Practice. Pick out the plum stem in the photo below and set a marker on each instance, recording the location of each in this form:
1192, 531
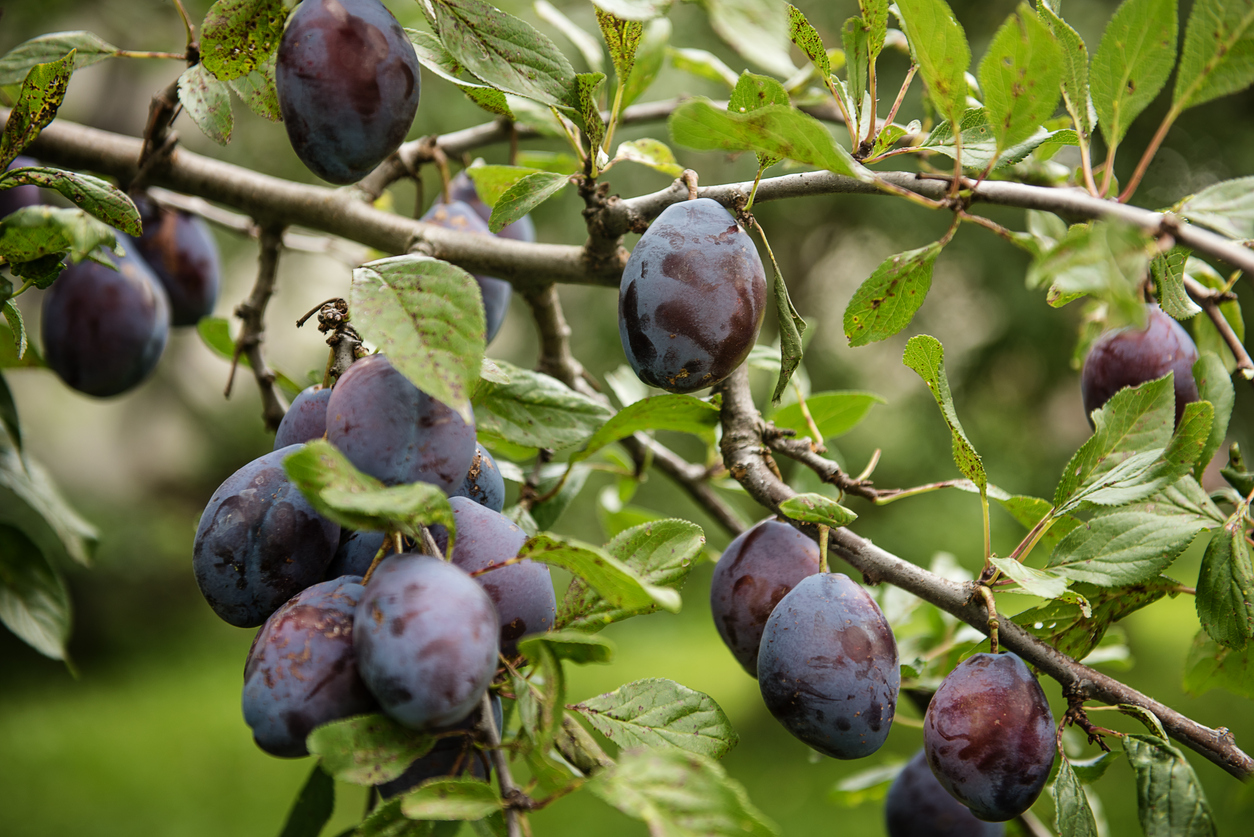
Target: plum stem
509, 791
378, 556
823, 535
993, 624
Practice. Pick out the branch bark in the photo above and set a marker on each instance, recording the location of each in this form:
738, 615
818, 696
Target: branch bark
252, 312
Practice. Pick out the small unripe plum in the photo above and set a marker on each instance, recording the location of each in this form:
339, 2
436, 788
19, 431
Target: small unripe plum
989, 737
302, 672
259, 542
484, 483
306, 419
183, 256
692, 298
348, 85
828, 667
917, 806
1128, 357
426, 640
756, 570
496, 292
103, 329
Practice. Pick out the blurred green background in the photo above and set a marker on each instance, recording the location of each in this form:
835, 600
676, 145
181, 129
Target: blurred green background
148, 738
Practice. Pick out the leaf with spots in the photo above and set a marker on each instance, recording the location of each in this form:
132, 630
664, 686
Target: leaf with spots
588, 115
888, 300
37, 232
536, 411
451, 799
88, 49
427, 317
1021, 77
925, 355
649, 152
660, 713
816, 508
258, 92
208, 102
623, 39
808, 40
101, 199
238, 36
37, 104
616, 582
524, 195
1132, 63
1170, 799
940, 48
367, 749
753, 92
1073, 816
1218, 54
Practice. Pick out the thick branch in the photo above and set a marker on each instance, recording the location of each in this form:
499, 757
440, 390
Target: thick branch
745, 456
252, 312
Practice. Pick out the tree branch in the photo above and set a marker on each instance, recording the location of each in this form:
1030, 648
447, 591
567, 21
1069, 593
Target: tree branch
746, 458
509, 790
252, 312
1209, 300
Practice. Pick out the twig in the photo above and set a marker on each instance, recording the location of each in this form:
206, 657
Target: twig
510, 793
1209, 300
252, 312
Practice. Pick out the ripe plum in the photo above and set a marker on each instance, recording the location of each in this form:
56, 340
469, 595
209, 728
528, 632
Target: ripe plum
426, 640
301, 671
259, 542
496, 292
395, 432
989, 737
828, 667
183, 256
917, 806
306, 419
483, 483
103, 329
348, 85
452, 756
756, 570
692, 298
1128, 357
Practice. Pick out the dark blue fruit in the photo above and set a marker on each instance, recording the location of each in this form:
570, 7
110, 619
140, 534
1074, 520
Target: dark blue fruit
989, 737
917, 806
356, 553
301, 671
692, 298
19, 197
1128, 357
496, 292
395, 432
104, 329
483, 483
348, 84
452, 756
306, 419
828, 667
756, 570
183, 256
259, 542
462, 188
426, 640
522, 592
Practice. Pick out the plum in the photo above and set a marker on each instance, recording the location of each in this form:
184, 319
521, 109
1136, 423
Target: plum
183, 256
426, 640
104, 329
917, 806
19, 197
302, 672
523, 592
395, 432
259, 542
496, 292
306, 419
756, 570
356, 553
828, 667
451, 756
692, 298
348, 85
989, 736
1128, 357
462, 188
483, 483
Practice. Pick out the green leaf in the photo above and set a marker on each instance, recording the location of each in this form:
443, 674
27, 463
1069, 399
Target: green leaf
1090, 770
37, 104
35, 232
554, 161
886, 302
1170, 800
756, 29
649, 58
536, 410
427, 317
207, 102
432, 55
661, 552
634, 9
1226, 207
34, 603
680, 794
257, 91
588, 46
341, 493
505, 52
387, 820
1168, 271
492, 181
816, 508
677, 412
313, 807
575, 646
617, 583
587, 114
1225, 585
1133, 60
753, 91
1075, 70
649, 152
1020, 77
1218, 54
808, 40
1034, 582
940, 46
702, 64
661, 714
1030, 510
1211, 665
1213, 385
774, 130
91, 194
15, 353
979, 142
524, 196
834, 413
31, 502
1072, 814
1105, 259
547, 513
451, 799
1064, 624
791, 326
855, 37
88, 49
240, 35
367, 749
9, 422
622, 37
925, 355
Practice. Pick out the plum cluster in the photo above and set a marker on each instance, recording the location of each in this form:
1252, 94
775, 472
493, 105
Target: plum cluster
826, 663
346, 631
